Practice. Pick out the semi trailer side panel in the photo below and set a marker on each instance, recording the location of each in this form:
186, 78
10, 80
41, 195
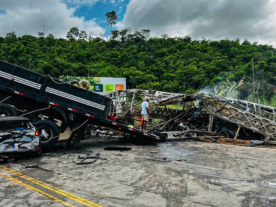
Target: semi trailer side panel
42, 91
46, 89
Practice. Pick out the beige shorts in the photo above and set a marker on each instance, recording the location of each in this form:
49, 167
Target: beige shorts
145, 117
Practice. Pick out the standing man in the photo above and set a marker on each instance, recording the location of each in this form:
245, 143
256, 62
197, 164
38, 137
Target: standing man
145, 114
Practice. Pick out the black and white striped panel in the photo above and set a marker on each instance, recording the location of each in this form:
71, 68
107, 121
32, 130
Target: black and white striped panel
74, 98
20, 80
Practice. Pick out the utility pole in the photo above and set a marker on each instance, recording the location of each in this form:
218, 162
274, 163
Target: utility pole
43, 26
42, 34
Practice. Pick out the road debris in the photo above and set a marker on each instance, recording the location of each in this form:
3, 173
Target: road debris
118, 148
257, 142
181, 160
84, 158
235, 141
30, 166
165, 159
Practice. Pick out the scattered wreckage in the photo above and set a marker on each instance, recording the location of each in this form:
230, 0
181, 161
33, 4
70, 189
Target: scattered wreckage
197, 115
53, 106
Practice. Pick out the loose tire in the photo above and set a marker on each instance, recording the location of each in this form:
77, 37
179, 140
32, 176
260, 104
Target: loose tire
7, 110
49, 133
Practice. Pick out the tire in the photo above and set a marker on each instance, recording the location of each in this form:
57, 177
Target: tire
47, 129
7, 110
224, 133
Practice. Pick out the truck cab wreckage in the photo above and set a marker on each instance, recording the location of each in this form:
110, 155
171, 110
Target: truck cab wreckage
198, 115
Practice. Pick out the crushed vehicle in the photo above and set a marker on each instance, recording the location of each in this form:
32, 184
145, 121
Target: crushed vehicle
18, 138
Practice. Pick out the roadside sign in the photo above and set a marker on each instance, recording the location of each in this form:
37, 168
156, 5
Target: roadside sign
96, 84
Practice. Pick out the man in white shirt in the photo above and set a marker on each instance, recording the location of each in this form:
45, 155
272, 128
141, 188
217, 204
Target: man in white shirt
145, 114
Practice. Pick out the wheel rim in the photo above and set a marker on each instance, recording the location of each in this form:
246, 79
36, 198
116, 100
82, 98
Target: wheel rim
4, 113
45, 133
223, 134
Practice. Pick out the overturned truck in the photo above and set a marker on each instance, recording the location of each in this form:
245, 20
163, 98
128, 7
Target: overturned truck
201, 115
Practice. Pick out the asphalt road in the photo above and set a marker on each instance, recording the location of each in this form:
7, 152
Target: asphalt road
208, 175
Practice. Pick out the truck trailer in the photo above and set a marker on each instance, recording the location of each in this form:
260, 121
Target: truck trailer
33, 95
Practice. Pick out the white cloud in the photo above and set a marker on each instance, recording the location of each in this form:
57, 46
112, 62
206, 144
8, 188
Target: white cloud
25, 17
114, 2
213, 19
120, 25
81, 2
120, 10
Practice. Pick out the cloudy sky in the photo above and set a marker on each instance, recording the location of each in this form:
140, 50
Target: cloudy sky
212, 19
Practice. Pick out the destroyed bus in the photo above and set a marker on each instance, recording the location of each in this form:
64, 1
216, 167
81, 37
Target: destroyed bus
199, 116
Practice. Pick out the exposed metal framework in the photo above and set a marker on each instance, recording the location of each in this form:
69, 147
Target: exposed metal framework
208, 109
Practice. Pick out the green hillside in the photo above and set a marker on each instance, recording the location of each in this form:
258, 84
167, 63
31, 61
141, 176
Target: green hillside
175, 64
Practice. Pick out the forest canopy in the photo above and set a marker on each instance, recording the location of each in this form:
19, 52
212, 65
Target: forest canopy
174, 64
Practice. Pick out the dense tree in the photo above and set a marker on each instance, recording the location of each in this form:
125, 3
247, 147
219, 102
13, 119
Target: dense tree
115, 34
40, 34
73, 34
177, 64
112, 19
123, 34
82, 35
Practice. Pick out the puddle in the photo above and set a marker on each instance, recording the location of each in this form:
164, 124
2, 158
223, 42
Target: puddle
267, 184
173, 151
268, 197
262, 182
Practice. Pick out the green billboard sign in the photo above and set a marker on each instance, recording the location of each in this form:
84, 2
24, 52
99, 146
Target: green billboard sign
98, 88
108, 88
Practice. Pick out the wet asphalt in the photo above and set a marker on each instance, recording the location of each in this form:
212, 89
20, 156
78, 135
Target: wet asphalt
172, 174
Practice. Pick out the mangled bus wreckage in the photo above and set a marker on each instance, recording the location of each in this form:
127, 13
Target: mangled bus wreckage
199, 115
